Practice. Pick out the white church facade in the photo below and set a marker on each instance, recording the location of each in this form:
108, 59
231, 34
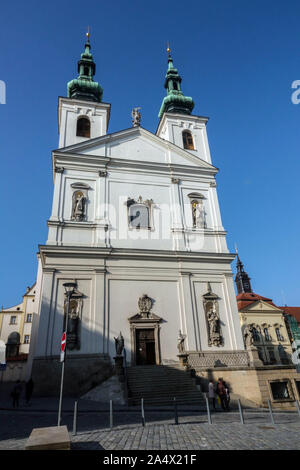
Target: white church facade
136, 226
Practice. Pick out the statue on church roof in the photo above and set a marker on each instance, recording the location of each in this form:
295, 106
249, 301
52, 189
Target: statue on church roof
136, 117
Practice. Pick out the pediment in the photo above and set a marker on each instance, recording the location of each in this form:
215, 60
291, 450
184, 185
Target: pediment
260, 306
151, 318
137, 144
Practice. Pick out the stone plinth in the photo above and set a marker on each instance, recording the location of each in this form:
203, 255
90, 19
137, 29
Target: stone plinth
254, 357
53, 438
183, 360
119, 365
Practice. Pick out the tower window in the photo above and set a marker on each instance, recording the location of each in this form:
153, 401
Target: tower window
188, 142
86, 71
83, 127
175, 86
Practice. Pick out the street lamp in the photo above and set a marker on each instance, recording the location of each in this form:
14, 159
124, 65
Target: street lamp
69, 291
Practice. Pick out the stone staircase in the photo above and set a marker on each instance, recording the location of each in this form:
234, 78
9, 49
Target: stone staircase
158, 385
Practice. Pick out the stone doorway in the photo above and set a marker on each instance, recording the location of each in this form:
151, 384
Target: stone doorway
144, 329
145, 347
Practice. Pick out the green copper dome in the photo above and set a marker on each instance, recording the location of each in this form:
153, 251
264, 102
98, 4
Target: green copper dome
84, 87
175, 101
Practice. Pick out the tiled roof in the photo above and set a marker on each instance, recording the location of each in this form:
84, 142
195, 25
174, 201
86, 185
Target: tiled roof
247, 298
295, 311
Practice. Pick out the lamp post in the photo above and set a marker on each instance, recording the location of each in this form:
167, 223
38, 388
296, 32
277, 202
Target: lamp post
69, 291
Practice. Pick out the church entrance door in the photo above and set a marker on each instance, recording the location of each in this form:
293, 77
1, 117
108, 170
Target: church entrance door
145, 346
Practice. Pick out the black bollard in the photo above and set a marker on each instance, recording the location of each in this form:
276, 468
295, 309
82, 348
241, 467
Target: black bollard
208, 410
143, 412
75, 418
175, 411
241, 412
111, 414
271, 412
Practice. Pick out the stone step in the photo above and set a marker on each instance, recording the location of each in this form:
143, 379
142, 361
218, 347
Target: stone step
158, 385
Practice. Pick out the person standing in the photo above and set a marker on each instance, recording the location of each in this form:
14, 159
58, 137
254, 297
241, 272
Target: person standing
28, 390
227, 395
221, 392
16, 394
211, 394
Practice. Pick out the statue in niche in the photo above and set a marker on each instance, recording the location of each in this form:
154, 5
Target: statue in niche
136, 117
211, 308
180, 344
119, 344
73, 320
78, 206
198, 214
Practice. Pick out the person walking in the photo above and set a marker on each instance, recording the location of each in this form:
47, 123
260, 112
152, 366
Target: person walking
227, 395
221, 392
28, 390
16, 392
211, 394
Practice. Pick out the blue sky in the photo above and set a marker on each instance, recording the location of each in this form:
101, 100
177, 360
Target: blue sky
237, 59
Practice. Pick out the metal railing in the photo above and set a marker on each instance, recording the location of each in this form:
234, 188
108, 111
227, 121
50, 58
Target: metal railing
174, 405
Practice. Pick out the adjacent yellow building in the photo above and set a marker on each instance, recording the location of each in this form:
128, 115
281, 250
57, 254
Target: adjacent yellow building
15, 332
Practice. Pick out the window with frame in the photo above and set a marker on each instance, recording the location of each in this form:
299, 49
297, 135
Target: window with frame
26, 339
83, 127
139, 213
279, 335
13, 320
267, 335
188, 142
280, 390
272, 357
255, 334
29, 318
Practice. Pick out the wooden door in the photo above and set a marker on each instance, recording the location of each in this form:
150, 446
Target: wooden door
145, 347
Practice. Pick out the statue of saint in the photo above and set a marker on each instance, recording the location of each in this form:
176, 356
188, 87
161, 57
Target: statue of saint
119, 344
248, 336
78, 206
136, 117
180, 345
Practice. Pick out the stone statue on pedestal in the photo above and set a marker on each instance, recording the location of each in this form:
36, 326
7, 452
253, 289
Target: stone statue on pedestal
119, 344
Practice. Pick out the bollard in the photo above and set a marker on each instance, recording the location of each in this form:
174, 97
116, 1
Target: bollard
75, 418
271, 412
241, 412
143, 412
175, 411
298, 407
110, 414
208, 410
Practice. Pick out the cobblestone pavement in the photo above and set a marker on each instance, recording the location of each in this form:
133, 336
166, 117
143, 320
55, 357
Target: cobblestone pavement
160, 433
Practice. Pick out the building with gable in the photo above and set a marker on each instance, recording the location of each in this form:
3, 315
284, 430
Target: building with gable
266, 331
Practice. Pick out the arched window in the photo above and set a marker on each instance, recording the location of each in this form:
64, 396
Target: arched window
278, 334
12, 345
255, 334
138, 216
267, 335
188, 142
83, 127
139, 213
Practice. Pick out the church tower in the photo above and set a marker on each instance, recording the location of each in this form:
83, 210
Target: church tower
242, 279
136, 229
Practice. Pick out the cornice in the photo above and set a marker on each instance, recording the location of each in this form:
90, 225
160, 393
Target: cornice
92, 163
132, 253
